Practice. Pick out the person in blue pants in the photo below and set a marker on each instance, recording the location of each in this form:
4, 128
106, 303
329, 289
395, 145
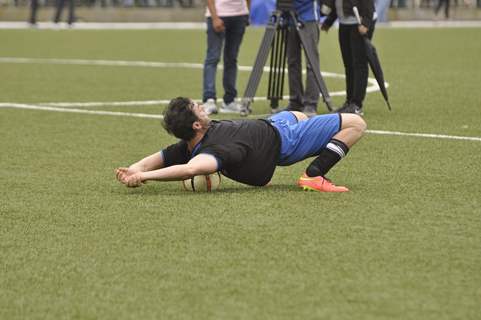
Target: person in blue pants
226, 23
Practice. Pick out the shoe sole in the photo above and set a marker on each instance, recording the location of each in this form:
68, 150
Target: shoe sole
308, 188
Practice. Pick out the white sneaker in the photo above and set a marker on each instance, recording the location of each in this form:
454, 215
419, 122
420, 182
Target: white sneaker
210, 107
232, 107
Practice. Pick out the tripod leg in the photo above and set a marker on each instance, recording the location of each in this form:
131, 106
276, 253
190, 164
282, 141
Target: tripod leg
258, 68
314, 63
273, 69
277, 94
275, 72
284, 60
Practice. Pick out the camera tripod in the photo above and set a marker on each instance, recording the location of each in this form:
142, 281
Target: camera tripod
275, 38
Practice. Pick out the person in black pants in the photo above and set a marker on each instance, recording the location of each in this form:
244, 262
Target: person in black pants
59, 8
352, 46
33, 13
446, 8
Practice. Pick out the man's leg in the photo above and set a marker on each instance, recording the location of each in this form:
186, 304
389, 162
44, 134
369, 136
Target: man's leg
311, 95
345, 45
235, 28
360, 68
71, 12
294, 67
214, 47
33, 12
352, 129
446, 9
58, 10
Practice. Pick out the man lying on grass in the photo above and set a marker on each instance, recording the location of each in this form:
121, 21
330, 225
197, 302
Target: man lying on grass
247, 150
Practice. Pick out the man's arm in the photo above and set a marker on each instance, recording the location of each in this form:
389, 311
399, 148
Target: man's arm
328, 8
366, 11
217, 22
149, 163
201, 164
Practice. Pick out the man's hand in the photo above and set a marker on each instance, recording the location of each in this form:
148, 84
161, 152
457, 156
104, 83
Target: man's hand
325, 27
134, 181
362, 29
129, 177
218, 24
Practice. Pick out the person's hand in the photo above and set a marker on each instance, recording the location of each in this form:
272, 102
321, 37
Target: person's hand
122, 174
325, 27
362, 29
134, 180
218, 24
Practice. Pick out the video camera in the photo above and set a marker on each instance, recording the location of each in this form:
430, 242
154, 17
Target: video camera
285, 5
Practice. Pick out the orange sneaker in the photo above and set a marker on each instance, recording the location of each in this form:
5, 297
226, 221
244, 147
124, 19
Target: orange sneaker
319, 184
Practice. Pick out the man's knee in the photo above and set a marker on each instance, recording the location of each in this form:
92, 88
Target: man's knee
353, 121
360, 123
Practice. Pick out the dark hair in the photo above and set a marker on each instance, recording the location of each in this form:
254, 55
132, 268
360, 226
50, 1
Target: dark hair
179, 117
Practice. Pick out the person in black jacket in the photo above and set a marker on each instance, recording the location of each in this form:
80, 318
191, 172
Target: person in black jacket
59, 4
352, 45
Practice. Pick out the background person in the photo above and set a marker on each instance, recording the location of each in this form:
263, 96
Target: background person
33, 13
352, 46
303, 99
226, 23
446, 4
382, 10
59, 4
247, 150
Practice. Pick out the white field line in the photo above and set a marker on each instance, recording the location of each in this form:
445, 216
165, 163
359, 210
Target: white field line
72, 110
201, 25
423, 135
105, 103
61, 106
153, 116
152, 64
106, 25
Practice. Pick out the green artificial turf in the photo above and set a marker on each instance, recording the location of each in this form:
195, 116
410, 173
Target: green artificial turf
405, 243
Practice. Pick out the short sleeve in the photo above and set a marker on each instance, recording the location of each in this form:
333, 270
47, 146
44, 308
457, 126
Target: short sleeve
177, 153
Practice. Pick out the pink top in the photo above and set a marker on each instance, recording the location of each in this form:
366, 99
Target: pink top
229, 8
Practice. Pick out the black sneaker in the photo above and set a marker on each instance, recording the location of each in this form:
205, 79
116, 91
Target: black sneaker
350, 108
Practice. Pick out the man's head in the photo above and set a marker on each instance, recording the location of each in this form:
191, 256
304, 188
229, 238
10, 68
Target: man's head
184, 118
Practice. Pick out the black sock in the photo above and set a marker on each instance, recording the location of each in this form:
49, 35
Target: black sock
334, 151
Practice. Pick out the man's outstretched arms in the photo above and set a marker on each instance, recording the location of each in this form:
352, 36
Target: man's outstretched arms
152, 162
134, 176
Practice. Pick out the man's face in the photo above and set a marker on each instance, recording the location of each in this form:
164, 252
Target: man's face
201, 114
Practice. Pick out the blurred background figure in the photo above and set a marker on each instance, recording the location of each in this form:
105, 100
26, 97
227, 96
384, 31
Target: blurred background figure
226, 23
59, 4
33, 13
446, 4
382, 8
261, 10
